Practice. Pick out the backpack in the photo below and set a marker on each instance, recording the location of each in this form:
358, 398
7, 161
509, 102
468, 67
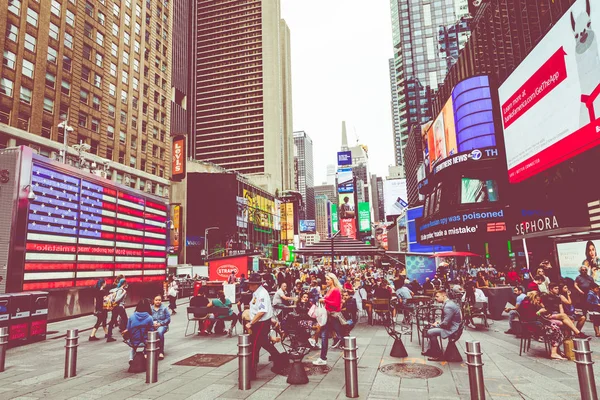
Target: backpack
109, 301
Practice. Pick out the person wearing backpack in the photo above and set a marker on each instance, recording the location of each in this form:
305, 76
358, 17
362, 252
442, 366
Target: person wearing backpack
138, 326
116, 298
99, 310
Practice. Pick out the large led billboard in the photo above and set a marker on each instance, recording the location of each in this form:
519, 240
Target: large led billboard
308, 225
550, 104
572, 255
464, 130
345, 180
364, 217
394, 196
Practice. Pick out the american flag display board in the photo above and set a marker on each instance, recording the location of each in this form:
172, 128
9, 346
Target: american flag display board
79, 231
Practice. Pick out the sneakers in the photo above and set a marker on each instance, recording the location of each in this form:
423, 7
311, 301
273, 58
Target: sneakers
336, 344
320, 361
509, 332
582, 335
312, 342
93, 339
319, 345
110, 339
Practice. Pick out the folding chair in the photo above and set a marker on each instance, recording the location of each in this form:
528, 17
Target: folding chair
191, 316
382, 310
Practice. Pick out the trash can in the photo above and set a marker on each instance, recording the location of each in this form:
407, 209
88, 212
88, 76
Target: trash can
39, 316
197, 286
19, 308
4, 312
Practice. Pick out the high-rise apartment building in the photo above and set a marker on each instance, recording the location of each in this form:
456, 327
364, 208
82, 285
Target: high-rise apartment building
322, 211
395, 114
420, 60
182, 66
304, 172
328, 191
242, 94
104, 67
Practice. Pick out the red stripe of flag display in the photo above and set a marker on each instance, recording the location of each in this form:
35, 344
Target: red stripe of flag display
79, 231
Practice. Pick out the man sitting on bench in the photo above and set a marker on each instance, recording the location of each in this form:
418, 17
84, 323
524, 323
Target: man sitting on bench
451, 320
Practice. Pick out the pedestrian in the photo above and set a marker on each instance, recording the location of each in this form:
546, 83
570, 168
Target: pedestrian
117, 305
161, 320
223, 302
231, 278
333, 305
99, 311
261, 312
172, 291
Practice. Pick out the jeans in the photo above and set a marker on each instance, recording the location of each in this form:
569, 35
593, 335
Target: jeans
512, 315
132, 351
117, 312
161, 336
332, 323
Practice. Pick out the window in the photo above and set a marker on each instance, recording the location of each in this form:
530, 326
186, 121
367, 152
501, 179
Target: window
83, 96
126, 38
48, 105
134, 102
136, 47
138, 29
15, 7
32, 17
136, 65
70, 18
99, 59
109, 153
52, 55
96, 103
50, 80
25, 95
63, 112
95, 125
115, 29
134, 122
144, 146
122, 137
85, 72
54, 32
133, 142
113, 69
110, 130
126, 58
82, 120
111, 110
68, 40
6, 86
30, 42
116, 10
138, 11
99, 38
88, 30
12, 32
132, 161
98, 80
23, 121
89, 9
55, 8
27, 68
101, 18
127, 20
9, 59
136, 83
114, 49
46, 129
123, 117
125, 78
65, 88
87, 53
112, 89
67, 63
123, 97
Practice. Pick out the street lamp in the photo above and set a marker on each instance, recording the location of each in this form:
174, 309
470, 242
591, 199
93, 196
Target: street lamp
206, 240
67, 129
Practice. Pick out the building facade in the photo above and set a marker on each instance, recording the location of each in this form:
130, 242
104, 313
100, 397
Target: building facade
328, 191
322, 214
182, 67
420, 59
104, 68
243, 100
395, 114
304, 173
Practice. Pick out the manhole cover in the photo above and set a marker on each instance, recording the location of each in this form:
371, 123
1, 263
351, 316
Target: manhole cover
206, 360
411, 371
309, 368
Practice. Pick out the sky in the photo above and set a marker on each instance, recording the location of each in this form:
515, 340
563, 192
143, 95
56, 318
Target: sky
340, 51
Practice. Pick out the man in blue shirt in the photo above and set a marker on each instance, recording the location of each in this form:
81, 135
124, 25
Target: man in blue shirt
512, 312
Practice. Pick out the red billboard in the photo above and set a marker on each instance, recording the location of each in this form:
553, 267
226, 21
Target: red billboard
220, 269
178, 156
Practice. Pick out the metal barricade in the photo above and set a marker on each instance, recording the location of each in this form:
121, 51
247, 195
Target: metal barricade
245, 362
351, 367
475, 365
72, 342
152, 349
585, 369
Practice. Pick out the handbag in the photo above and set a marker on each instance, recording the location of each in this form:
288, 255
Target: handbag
321, 315
568, 346
172, 291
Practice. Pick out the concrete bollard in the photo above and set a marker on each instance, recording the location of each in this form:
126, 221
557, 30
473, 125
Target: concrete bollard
585, 369
245, 362
152, 349
351, 367
3, 347
475, 370
72, 342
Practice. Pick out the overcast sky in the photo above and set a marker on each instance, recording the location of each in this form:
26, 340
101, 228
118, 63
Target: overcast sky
340, 52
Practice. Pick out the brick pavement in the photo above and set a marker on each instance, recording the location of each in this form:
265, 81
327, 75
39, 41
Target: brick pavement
35, 371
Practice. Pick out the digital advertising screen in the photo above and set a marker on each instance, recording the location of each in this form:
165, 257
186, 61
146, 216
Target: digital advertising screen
442, 135
420, 267
395, 197
550, 104
287, 221
462, 224
348, 227
364, 217
308, 225
344, 158
572, 255
346, 205
345, 180
79, 231
285, 252
334, 218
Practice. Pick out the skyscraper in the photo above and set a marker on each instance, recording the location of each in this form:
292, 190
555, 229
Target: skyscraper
243, 100
395, 114
104, 68
304, 171
322, 210
420, 61
183, 62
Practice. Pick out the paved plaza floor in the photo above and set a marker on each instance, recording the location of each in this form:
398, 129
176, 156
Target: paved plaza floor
35, 371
